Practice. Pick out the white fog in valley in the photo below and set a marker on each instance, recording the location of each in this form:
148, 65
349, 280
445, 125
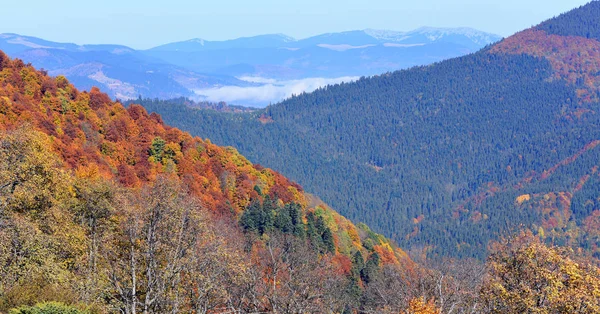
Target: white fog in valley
267, 91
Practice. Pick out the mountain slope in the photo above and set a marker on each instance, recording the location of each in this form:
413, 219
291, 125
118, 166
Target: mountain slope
92, 133
110, 207
447, 152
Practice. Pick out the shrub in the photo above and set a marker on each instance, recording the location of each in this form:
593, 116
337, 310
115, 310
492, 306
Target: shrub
48, 308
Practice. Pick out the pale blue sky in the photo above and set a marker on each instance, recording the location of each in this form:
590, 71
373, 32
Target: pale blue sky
147, 23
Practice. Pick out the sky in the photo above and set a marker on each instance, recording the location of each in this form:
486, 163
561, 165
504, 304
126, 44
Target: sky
143, 24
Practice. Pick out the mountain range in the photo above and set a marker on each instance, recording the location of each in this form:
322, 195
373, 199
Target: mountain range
352, 53
446, 157
275, 65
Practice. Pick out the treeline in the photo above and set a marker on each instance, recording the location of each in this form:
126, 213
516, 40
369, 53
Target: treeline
582, 22
216, 106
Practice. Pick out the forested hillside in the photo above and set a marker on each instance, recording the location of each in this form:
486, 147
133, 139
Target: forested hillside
446, 157
106, 209
109, 208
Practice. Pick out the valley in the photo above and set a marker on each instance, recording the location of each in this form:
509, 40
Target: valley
433, 171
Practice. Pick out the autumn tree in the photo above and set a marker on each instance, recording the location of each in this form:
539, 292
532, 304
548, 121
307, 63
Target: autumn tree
39, 249
29, 171
446, 286
48, 308
527, 276
216, 272
159, 229
420, 306
296, 278
93, 207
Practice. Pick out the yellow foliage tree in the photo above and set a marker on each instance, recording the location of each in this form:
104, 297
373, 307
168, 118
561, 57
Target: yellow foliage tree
38, 239
30, 178
419, 306
526, 276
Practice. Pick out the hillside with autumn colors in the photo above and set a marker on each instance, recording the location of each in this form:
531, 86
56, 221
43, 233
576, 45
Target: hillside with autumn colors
105, 208
93, 192
447, 157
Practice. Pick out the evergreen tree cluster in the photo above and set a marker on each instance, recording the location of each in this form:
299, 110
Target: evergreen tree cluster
268, 216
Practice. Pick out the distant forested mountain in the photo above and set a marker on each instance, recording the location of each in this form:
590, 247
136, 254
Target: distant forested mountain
443, 158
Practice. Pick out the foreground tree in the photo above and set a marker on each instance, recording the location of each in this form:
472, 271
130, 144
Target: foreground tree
158, 231
93, 206
526, 276
38, 241
292, 277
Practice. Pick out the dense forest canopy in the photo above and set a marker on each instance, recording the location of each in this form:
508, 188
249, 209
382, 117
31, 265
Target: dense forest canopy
108, 210
437, 157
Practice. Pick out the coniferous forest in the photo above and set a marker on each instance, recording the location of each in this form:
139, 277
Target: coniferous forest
435, 157
467, 186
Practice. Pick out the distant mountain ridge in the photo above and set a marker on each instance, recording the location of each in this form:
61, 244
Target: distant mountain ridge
435, 33
125, 72
197, 44
423, 35
195, 68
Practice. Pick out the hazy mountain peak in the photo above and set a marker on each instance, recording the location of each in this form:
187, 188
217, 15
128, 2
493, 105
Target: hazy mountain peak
198, 44
197, 41
285, 38
277, 37
385, 34
22, 40
432, 34
476, 36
